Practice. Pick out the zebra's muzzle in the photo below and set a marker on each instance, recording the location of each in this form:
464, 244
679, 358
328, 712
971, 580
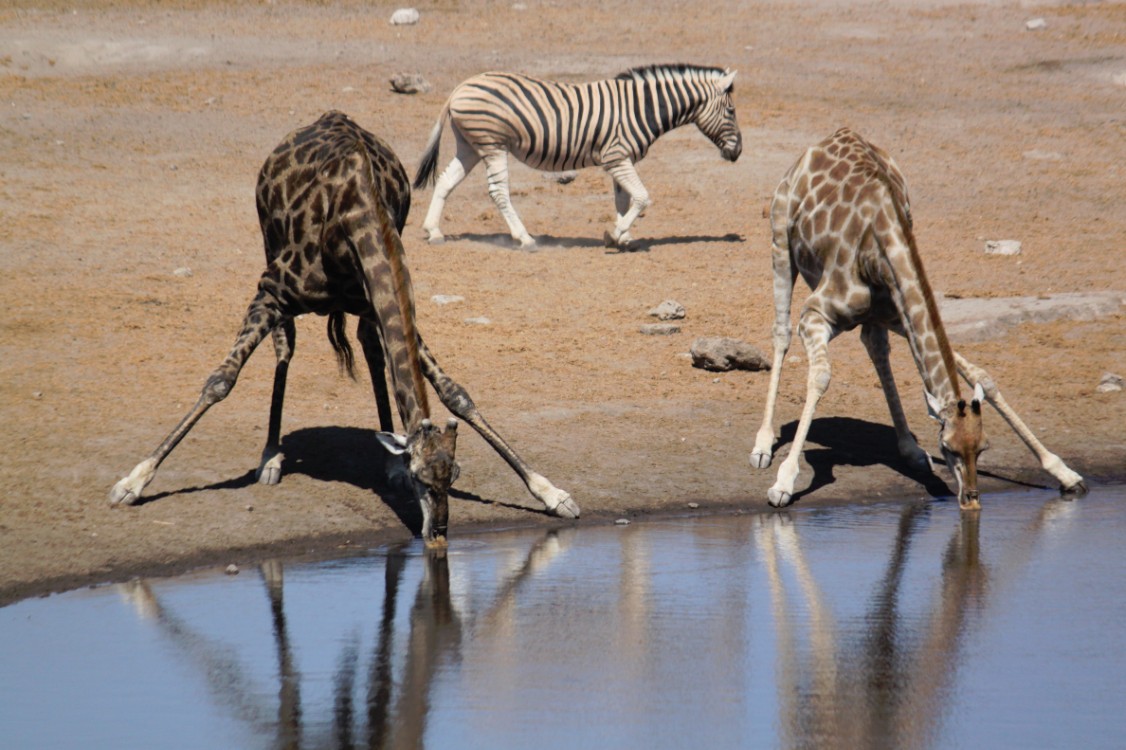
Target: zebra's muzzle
731, 148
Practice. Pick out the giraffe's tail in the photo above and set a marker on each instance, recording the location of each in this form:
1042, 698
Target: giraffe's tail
339, 340
428, 167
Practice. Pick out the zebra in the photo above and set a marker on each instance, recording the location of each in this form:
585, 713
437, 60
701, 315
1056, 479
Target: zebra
557, 127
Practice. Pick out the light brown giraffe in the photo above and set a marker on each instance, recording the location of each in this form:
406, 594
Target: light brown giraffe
332, 202
841, 218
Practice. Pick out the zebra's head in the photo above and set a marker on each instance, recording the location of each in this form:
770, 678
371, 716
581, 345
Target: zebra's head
716, 119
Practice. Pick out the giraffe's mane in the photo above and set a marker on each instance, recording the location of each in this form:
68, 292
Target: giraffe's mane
905, 224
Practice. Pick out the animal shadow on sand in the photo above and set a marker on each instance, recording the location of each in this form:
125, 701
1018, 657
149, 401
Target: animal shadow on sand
551, 242
344, 454
845, 441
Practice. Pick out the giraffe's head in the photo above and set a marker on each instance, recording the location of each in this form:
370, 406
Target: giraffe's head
962, 439
429, 452
716, 118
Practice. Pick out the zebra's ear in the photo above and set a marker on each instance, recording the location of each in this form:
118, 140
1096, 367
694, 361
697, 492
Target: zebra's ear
727, 81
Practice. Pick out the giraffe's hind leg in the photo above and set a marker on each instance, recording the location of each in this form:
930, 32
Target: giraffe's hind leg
784, 277
262, 315
457, 400
815, 332
270, 468
875, 339
1070, 481
368, 333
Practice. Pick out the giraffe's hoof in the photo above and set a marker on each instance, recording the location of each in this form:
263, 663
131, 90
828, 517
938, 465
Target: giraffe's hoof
128, 490
1079, 489
779, 498
760, 459
270, 471
564, 506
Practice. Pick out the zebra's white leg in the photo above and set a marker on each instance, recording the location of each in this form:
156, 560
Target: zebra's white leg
626, 182
496, 169
461, 165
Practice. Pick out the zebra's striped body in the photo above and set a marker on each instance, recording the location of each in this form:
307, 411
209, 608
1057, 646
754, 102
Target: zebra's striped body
559, 126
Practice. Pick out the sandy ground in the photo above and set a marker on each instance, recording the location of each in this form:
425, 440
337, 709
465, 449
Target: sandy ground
130, 138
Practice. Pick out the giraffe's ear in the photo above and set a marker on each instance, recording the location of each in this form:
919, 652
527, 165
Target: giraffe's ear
393, 443
727, 81
934, 408
979, 393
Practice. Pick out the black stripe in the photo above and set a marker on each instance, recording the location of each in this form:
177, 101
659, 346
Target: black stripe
518, 111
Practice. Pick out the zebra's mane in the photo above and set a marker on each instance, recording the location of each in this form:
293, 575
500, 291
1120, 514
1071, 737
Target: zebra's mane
678, 70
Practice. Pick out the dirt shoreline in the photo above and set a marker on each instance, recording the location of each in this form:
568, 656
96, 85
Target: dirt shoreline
131, 134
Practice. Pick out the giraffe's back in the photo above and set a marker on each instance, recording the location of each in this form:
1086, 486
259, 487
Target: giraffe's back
300, 185
835, 209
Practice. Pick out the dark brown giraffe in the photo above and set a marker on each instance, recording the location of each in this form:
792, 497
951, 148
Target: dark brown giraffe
332, 202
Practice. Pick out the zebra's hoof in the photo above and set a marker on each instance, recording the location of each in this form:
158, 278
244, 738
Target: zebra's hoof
436, 238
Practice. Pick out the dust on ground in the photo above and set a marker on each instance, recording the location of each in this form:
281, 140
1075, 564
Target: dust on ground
130, 138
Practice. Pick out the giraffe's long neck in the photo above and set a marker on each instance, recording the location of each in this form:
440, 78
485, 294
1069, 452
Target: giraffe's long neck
918, 308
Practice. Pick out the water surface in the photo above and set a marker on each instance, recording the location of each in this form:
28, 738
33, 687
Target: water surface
898, 625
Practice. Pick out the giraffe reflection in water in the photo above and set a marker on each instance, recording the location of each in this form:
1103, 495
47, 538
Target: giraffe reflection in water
887, 682
653, 633
397, 699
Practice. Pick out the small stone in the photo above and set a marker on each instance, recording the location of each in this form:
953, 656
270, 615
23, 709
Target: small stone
720, 354
693, 506
563, 178
622, 522
1035, 24
249, 508
404, 17
1002, 247
1110, 383
659, 329
446, 299
182, 272
670, 309
1040, 155
480, 320
409, 83
232, 570
37, 395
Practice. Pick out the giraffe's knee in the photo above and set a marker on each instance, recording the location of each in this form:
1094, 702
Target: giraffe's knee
217, 387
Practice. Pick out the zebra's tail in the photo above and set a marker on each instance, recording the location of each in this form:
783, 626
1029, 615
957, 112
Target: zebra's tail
428, 168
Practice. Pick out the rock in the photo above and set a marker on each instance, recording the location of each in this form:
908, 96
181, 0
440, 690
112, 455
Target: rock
1035, 24
563, 178
1040, 155
721, 354
232, 570
622, 522
659, 329
1110, 383
409, 83
670, 309
446, 299
37, 395
693, 506
404, 17
1002, 247
978, 319
480, 320
183, 273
